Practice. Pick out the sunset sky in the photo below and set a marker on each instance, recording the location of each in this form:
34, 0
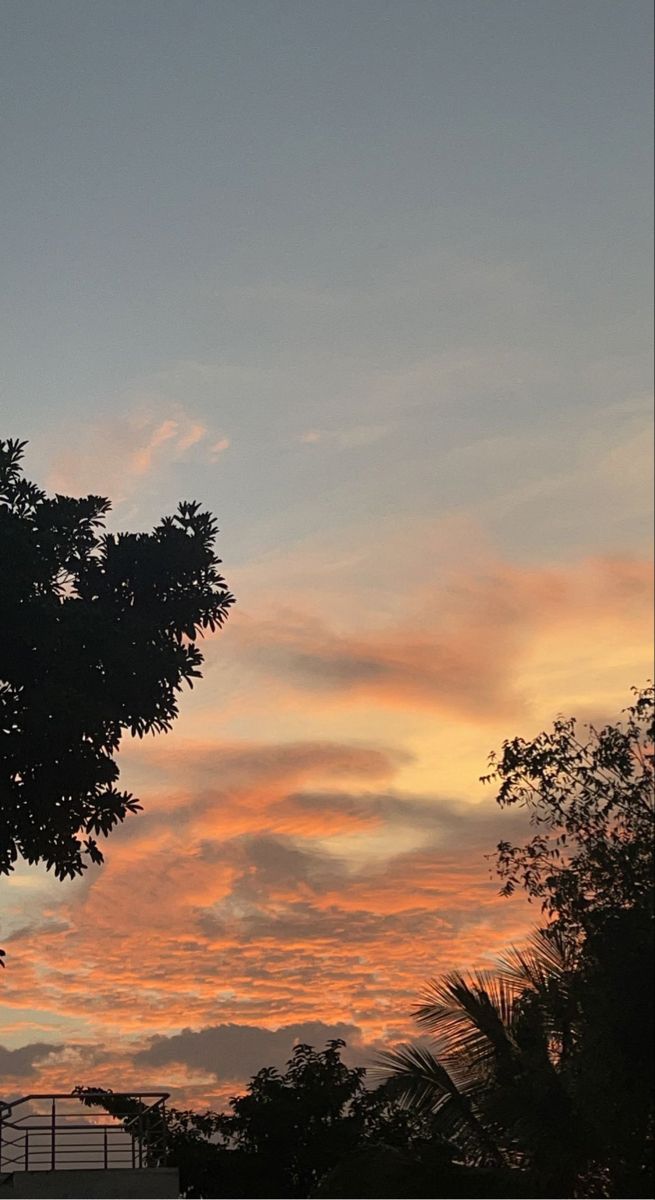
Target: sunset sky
371, 280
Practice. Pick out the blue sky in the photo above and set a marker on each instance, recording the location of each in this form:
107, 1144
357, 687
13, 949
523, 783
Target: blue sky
372, 281
315, 204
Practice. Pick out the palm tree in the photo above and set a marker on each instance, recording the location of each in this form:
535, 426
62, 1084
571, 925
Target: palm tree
495, 1075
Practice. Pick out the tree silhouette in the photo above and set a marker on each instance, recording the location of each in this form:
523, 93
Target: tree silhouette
591, 801
290, 1130
546, 1064
296, 1123
99, 633
493, 1077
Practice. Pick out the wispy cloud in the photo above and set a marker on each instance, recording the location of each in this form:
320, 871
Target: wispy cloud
464, 643
241, 906
218, 447
113, 457
234, 1052
346, 439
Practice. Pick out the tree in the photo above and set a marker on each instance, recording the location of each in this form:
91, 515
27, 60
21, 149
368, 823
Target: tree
612, 1069
296, 1123
99, 634
290, 1132
591, 801
279, 1139
493, 1077
591, 866
545, 1066
548, 1063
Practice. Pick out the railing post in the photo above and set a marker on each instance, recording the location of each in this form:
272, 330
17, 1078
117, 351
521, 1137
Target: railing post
164, 1133
148, 1124
53, 1122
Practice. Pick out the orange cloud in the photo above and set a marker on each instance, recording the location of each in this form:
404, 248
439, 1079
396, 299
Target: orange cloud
272, 883
462, 644
346, 439
218, 447
140, 461
230, 907
112, 457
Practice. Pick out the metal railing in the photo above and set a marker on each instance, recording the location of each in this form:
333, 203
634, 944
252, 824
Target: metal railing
46, 1131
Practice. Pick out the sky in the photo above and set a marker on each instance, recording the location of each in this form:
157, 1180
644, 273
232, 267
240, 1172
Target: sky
371, 280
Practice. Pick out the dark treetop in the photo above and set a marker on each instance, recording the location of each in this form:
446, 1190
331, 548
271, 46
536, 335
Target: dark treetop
98, 635
590, 797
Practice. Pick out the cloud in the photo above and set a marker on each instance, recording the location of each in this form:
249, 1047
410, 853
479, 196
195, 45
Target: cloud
204, 1066
461, 646
233, 1052
194, 434
314, 879
114, 457
23, 1063
141, 460
346, 439
199, 919
217, 448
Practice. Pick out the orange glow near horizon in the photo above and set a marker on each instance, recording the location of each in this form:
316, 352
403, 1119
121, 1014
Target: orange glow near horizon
322, 878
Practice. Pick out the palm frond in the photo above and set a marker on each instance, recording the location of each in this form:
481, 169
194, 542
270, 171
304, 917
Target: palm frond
542, 970
428, 1082
428, 1086
547, 957
471, 1021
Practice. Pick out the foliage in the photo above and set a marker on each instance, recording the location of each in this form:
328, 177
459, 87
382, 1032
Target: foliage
382, 1119
180, 1138
545, 1067
146, 1125
546, 1064
492, 1052
591, 801
99, 635
293, 1130
288, 1132
294, 1122
381, 1171
611, 1070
